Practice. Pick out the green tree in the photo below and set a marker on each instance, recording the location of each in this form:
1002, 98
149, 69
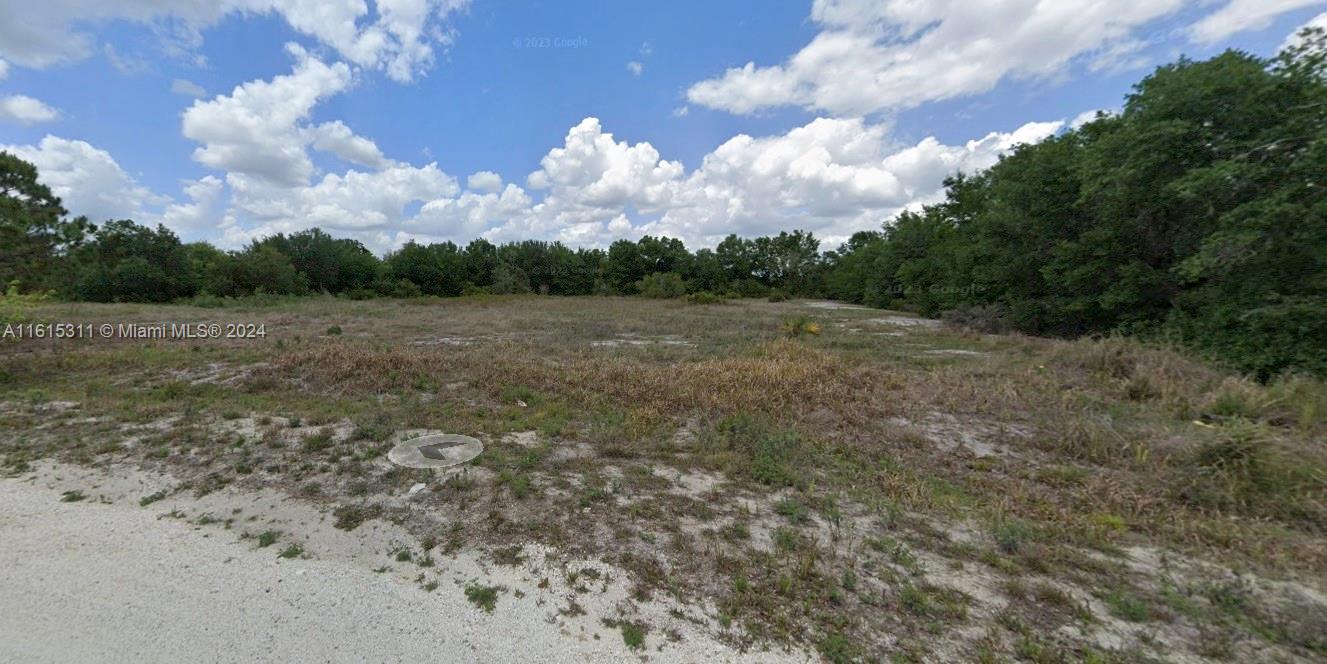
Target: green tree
624, 267
481, 259
264, 269
437, 269
34, 232
128, 262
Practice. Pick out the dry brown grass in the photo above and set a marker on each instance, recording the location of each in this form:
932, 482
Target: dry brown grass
780, 377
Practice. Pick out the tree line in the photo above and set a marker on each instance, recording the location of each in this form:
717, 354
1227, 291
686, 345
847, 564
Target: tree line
1198, 214
123, 261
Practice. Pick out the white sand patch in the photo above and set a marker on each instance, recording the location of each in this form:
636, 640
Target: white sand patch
905, 321
638, 341
113, 581
522, 438
951, 433
691, 483
826, 304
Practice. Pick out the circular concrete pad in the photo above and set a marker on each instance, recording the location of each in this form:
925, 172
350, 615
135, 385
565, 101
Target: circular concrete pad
439, 450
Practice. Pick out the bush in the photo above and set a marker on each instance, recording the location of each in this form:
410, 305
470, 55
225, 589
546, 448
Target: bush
797, 326
508, 280
750, 288
777, 295
988, 318
1243, 472
662, 285
705, 297
764, 451
359, 293
397, 288
16, 307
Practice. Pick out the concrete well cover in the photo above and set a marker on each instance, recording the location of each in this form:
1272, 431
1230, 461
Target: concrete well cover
438, 450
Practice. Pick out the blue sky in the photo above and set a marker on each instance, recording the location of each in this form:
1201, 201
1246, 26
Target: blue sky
227, 120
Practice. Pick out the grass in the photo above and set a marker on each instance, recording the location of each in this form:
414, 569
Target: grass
484, 597
509, 556
848, 501
633, 633
73, 496
350, 517
1125, 605
268, 538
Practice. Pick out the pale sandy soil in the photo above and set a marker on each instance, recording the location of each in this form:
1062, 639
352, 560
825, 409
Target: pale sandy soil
107, 580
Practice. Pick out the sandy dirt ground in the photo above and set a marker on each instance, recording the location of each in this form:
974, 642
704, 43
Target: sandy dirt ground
97, 581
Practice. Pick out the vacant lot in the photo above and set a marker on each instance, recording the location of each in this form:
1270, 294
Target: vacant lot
797, 476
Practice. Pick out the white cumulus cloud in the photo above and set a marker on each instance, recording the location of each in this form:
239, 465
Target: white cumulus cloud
876, 55
25, 110
87, 179
830, 176
203, 210
256, 130
336, 138
398, 37
486, 182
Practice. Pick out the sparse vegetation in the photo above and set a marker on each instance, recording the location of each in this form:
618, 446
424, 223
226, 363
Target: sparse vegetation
633, 633
349, 517
814, 482
484, 597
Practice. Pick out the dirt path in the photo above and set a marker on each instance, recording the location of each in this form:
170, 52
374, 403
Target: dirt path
87, 581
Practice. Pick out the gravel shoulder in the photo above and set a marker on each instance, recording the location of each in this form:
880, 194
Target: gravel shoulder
112, 581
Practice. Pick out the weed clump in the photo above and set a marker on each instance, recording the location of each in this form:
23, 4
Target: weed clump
755, 447
1243, 472
797, 326
706, 297
633, 634
484, 597
376, 429
318, 441
839, 649
349, 517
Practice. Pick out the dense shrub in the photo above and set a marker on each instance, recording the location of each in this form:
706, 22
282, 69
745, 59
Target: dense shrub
662, 285
1195, 214
988, 318
705, 297
17, 307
